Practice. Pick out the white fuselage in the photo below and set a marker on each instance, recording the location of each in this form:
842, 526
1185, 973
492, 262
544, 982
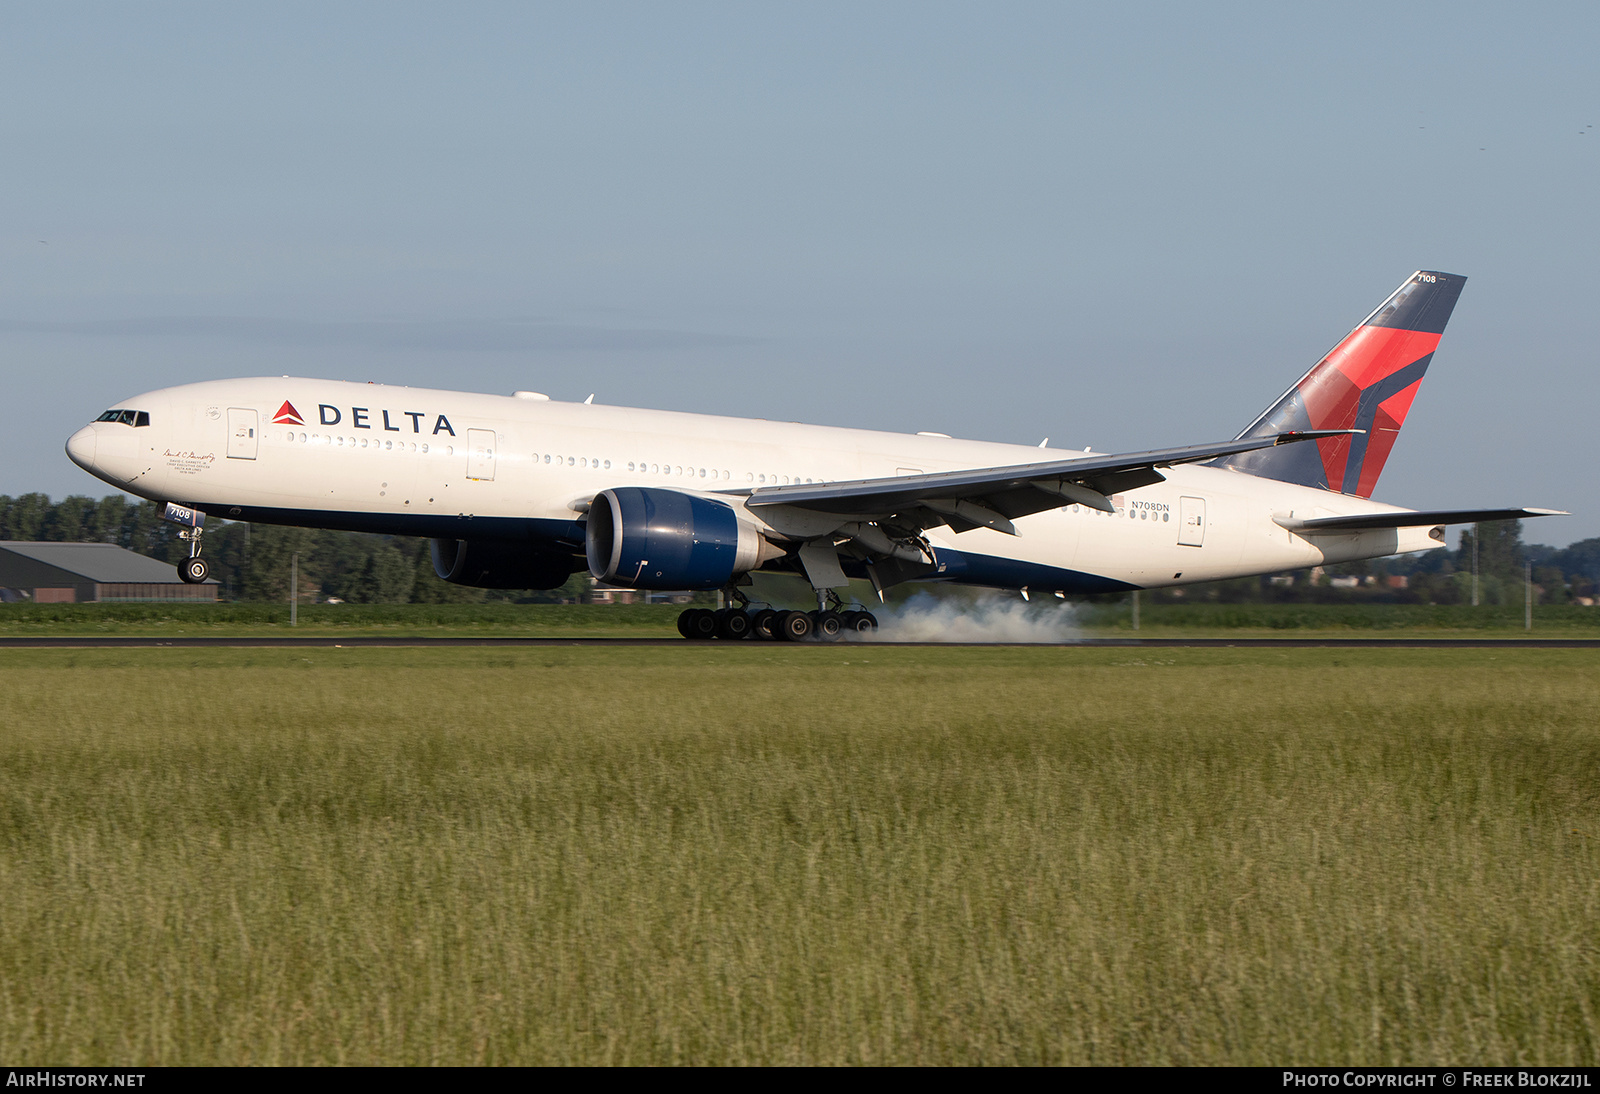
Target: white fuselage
415, 461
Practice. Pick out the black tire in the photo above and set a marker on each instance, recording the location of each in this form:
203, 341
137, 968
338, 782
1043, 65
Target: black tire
794, 626
701, 624
828, 626
683, 621
194, 570
764, 625
859, 623
733, 624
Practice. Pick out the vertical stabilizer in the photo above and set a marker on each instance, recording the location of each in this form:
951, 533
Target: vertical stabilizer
1366, 382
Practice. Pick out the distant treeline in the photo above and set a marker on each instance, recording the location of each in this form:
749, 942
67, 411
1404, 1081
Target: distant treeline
252, 563
1441, 576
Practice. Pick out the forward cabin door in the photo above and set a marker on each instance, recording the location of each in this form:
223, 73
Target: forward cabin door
480, 454
243, 430
1191, 522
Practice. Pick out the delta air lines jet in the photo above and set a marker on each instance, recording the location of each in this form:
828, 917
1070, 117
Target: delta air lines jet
521, 491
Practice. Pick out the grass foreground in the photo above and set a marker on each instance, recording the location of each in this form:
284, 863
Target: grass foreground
773, 854
1103, 619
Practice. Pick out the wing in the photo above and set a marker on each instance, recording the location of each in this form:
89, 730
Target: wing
1409, 519
992, 497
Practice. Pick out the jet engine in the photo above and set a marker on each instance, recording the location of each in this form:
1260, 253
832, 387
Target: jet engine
499, 564
646, 538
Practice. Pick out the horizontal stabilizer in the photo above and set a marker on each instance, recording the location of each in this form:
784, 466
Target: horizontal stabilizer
1408, 519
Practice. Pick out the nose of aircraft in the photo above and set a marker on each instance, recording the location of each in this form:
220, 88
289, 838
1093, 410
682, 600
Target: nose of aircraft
81, 446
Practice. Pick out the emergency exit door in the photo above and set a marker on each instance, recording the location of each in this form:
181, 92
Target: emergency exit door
242, 433
1191, 522
480, 454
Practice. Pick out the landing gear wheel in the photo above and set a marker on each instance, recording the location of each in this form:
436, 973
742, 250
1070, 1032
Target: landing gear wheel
859, 623
827, 626
194, 570
733, 624
698, 624
794, 626
764, 625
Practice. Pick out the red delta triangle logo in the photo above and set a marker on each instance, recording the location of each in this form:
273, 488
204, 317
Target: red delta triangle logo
287, 415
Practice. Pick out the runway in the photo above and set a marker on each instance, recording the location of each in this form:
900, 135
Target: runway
388, 642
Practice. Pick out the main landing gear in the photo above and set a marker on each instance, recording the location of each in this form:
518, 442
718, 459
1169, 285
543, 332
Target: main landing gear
772, 625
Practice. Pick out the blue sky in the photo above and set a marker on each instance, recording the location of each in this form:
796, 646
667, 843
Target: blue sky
1114, 225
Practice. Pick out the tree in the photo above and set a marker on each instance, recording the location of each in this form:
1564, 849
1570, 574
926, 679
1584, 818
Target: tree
387, 577
70, 520
1500, 551
24, 517
1552, 583
272, 548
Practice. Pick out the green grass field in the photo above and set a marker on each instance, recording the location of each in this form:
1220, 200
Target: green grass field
824, 854
659, 620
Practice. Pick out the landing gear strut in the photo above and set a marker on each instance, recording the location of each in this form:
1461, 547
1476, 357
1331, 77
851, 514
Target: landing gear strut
194, 569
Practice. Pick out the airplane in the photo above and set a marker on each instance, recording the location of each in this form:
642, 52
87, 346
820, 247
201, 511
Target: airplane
522, 491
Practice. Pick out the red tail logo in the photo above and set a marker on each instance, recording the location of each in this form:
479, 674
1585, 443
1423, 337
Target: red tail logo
287, 415
1366, 383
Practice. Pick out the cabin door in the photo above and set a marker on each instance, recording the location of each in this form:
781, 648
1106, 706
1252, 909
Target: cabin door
243, 430
1191, 522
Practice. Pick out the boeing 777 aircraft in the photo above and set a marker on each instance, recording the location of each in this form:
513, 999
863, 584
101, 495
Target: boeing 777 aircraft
521, 491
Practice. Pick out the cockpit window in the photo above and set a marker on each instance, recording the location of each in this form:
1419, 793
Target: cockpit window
126, 417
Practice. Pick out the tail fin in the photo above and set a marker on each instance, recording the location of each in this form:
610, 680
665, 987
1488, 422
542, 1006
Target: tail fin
1366, 382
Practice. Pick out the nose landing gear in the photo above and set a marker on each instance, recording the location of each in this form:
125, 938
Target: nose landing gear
194, 569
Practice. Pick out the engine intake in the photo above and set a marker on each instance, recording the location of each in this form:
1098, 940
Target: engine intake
644, 538
498, 564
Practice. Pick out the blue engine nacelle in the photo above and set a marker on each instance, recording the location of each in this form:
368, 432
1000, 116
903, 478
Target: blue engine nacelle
644, 538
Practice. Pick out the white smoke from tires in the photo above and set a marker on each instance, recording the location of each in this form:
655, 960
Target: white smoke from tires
993, 619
